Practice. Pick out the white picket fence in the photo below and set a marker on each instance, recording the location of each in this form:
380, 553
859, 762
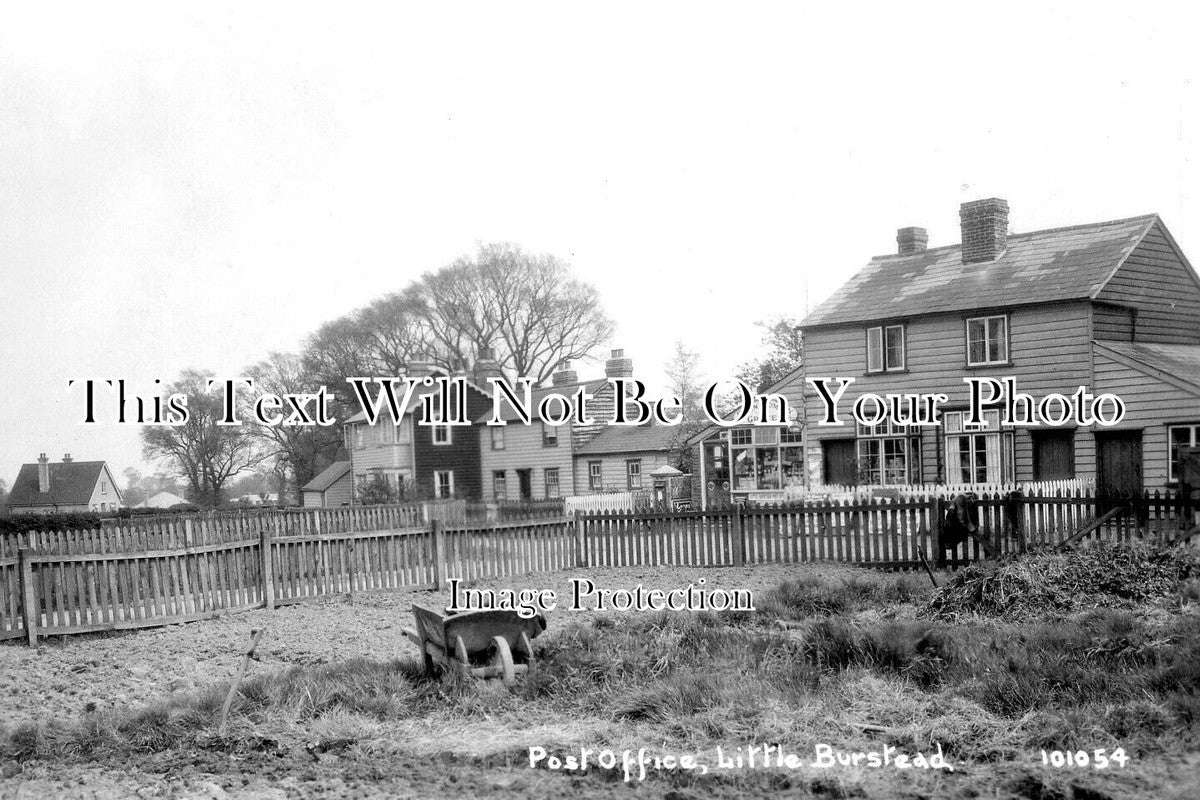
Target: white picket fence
609, 501
840, 492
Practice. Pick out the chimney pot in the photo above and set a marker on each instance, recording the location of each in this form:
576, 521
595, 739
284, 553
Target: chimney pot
984, 229
618, 366
486, 366
564, 375
911, 240
66, 458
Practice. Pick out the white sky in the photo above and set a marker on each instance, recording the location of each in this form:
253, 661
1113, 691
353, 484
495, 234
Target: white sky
198, 188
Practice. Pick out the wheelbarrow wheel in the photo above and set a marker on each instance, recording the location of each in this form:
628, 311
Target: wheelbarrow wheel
502, 657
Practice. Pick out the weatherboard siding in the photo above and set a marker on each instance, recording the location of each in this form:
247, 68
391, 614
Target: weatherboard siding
1150, 406
1166, 293
523, 449
613, 472
1050, 352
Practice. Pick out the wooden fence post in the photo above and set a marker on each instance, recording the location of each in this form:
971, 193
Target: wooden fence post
187, 532
580, 541
29, 605
739, 541
935, 530
439, 554
268, 568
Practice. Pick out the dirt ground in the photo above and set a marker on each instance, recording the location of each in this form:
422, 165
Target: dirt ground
432, 757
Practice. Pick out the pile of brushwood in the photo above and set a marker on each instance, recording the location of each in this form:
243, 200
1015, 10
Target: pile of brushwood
1036, 582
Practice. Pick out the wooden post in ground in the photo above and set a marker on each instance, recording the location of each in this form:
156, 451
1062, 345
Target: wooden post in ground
29, 605
935, 530
255, 638
739, 541
580, 542
439, 554
268, 568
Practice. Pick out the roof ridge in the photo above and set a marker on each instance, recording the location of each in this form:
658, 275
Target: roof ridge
1060, 229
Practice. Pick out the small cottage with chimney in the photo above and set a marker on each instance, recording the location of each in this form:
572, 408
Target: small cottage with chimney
46, 488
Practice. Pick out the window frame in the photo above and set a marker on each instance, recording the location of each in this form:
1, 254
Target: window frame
595, 475
883, 365
631, 473
497, 437
985, 319
499, 484
437, 484
549, 435
557, 473
992, 427
1172, 476
445, 429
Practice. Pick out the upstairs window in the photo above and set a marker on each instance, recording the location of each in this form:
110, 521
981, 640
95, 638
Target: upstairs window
441, 434
987, 340
549, 435
885, 348
498, 437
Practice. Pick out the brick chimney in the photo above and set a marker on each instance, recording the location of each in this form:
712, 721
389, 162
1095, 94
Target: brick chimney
564, 375
43, 474
66, 458
418, 367
618, 366
911, 240
984, 229
486, 366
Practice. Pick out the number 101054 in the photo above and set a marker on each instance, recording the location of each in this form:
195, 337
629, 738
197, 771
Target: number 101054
1100, 758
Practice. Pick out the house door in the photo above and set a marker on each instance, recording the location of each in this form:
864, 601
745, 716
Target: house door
838, 456
1053, 455
525, 483
1119, 462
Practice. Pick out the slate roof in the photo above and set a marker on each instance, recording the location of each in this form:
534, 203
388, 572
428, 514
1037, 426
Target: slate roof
71, 484
1180, 361
630, 439
1042, 266
328, 477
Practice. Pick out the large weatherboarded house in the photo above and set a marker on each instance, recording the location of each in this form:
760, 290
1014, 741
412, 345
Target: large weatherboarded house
45, 487
1111, 306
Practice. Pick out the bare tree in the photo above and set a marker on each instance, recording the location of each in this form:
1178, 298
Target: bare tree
202, 452
684, 382
300, 451
527, 307
784, 353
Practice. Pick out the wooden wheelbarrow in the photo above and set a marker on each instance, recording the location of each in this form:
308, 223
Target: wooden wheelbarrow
488, 643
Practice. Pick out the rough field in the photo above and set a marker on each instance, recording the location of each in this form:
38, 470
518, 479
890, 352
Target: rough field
335, 707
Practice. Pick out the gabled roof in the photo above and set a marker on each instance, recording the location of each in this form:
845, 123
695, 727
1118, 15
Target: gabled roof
328, 477
508, 414
1040, 267
630, 439
71, 484
1178, 364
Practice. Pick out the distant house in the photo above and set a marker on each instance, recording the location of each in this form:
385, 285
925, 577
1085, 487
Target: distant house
1111, 306
162, 500
45, 488
622, 458
332, 488
537, 461
420, 461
